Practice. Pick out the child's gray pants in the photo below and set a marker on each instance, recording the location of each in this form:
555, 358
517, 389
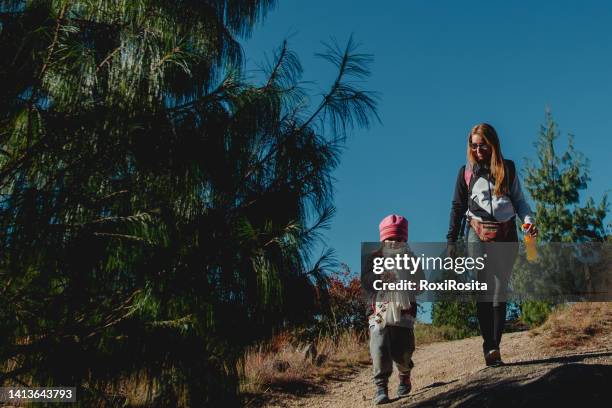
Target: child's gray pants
391, 344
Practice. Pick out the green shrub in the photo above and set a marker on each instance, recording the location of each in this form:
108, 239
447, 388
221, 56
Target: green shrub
459, 315
534, 313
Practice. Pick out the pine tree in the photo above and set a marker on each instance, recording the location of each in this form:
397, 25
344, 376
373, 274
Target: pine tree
554, 182
157, 211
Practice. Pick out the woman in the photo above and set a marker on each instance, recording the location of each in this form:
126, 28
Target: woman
488, 194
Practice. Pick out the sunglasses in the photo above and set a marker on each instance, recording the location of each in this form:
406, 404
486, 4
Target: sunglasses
481, 146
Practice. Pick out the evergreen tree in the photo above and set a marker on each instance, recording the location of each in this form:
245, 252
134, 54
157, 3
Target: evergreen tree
157, 212
554, 182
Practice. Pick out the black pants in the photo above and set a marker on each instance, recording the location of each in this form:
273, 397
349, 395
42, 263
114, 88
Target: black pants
491, 320
491, 308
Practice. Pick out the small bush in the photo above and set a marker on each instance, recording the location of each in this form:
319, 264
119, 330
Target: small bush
428, 333
461, 316
534, 313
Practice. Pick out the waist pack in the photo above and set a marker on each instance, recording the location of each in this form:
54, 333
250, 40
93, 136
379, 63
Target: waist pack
491, 230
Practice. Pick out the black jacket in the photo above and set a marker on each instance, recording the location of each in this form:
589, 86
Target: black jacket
482, 204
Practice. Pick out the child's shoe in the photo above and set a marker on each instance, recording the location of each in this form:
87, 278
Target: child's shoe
405, 386
382, 395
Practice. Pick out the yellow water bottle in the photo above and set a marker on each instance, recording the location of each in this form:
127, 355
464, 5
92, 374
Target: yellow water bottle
530, 244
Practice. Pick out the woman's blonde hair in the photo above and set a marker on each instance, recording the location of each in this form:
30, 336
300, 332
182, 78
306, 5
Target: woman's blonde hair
498, 171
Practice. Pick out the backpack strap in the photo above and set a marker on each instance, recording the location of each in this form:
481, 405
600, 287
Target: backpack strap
467, 175
470, 180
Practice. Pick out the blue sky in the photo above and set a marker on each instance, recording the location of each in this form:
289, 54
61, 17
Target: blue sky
440, 67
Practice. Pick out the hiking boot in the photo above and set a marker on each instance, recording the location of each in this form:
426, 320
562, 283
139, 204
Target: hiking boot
493, 358
382, 395
405, 386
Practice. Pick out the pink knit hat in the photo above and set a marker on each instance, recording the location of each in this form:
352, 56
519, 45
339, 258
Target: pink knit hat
393, 226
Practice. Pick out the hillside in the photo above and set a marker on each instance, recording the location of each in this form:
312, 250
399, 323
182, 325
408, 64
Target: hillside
568, 360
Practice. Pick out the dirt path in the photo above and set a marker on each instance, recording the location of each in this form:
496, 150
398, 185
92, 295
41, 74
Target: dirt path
450, 373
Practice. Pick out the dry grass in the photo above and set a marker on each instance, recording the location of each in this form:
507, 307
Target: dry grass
579, 325
279, 365
283, 366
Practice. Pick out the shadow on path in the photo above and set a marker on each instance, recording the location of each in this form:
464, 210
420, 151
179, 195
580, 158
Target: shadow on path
572, 358
531, 384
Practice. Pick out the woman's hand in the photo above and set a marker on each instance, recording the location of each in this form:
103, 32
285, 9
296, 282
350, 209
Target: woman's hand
532, 230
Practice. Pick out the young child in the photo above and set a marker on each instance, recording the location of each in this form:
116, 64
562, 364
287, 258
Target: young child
392, 320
